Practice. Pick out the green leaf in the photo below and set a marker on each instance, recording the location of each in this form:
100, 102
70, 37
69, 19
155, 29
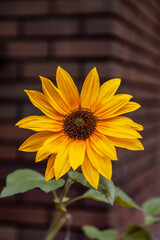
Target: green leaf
24, 180
106, 188
122, 199
152, 206
95, 195
150, 220
79, 178
136, 232
94, 233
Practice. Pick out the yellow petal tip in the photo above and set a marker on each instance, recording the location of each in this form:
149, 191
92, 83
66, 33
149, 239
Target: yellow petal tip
119, 80
59, 69
56, 177
94, 69
42, 78
47, 178
17, 124
20, 149
74, 168
26, 91
37, 158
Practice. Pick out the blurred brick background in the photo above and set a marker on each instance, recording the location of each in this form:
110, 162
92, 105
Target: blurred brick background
122, 39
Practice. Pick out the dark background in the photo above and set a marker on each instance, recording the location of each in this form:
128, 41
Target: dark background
122, 39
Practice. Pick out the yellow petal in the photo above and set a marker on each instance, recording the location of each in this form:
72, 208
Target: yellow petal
34, 142
121, 120
90, 173
101, 144
129, 107
120, 131
67, 86
131, 144
77, 153
39, 100
90, 90
49, 173
61, 165
40, 123
102, 164
54, 96
108, 89
107, 109
51, 145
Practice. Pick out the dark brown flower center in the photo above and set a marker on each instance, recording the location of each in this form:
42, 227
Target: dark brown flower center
80, 124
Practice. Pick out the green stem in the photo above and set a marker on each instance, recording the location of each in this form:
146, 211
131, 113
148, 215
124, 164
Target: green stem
68, 184
54, 226
53, 223
55, 195
74, 200
57, 228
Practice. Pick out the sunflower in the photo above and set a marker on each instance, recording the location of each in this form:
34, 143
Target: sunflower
80, 130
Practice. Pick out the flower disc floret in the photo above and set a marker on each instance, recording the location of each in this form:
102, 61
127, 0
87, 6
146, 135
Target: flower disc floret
80, 124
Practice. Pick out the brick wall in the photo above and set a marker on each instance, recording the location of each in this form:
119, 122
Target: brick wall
122, 39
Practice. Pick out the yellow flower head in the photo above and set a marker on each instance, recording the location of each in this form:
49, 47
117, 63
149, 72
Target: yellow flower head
80, 130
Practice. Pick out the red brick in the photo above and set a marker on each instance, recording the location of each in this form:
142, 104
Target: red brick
51, 27
17, 8
146, 177
11, 132
155, 231
8, 71
122, 30
16, 91
136, 17
79, 7
147, 9
94, 48
115, 69
83, 48
7, 111
5, 170
8, 29
38, 196
29, 157
8, 153
28, 110
155, 4
26, 49
48, 69
10, 199
23, 215
8, 233
33, 234
145, 193
126, 12
129, 54
62, 235
141, 94
80, 218
135, 164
